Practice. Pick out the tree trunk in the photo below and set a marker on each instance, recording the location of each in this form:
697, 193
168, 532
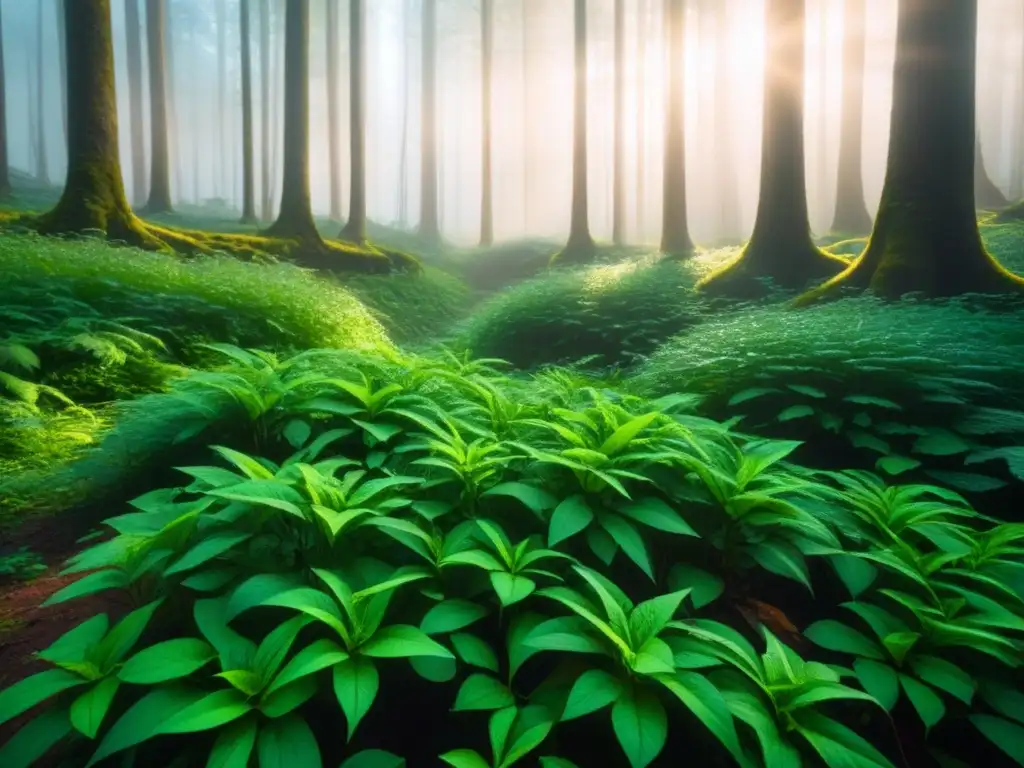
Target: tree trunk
487, 181
987, 194
133, 36
403, 162
93, 197
265, 197
276, 119
430, 229
780, 248
851, 215
174, 142
675, 232
642, 14
580, 246
926, 236
333, 109
295, 219
5, 174
160, 173
527, 111
62, 58
248, 177
355, 228
728, 194
222, 97
197, 114
619, 182
42, 166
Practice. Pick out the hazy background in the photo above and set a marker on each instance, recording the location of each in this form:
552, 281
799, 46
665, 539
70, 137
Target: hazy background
532, 106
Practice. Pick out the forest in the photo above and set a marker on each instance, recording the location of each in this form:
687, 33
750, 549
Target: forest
492, 383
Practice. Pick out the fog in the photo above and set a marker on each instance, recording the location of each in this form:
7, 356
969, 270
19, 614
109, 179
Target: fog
532, 107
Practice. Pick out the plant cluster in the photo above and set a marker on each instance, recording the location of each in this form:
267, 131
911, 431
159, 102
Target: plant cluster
534, 552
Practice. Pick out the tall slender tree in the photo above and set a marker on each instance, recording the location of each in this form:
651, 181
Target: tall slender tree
42, 166
486, 76
851, 214
619, 150
334, 108
526, 110
62, 59
642, 18
248, 176
926, 235
780, 248
675, 230
403, 160
265, 190
430, 224
160, 172
725, 146
221, 175
5, 174
987, 194
295, 219
133, 36
355, 227
580, 246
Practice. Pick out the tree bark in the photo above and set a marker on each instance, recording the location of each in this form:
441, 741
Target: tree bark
133, 35
295, 219
42, 166
159, 175
487, 181
642, 13
333, 109
851, 214
728, 194
403, 162
675, 232
93, 197
527, 111
248, 177
987, 194
430, 229
62, 58
926, 236
580, 246
5, 174
619, 161
780, 248
355, 228
265, 196
222, 107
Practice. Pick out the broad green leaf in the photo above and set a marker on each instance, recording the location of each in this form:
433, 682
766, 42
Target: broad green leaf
927, 703
207, 549
640, 724
944, 675
570, 517
880, 680
511, 589
532, 726
120, 640
782, 560
89, 709
778, 752
234, 745
482, 692
1004, 698
856, 574
169, 660
704, 587
899, 644
896, 465
1006, 735
624, 435
434, 669
211, 711
655, 513
834, 636
498, 729
556, 762
520, 627
940, 442
314, 603
533, 498
35, 738
374, 758
248, 465
275, 646
451, 616
288, 697
76, 643
648, 619
26, 693
795, 412
566, 633
287, 743
402, 641
265, 493
880, 402
627, 537
464, 758
89, 584
837, 744
474, 651
750, 394
705, 701
355, 685
593, 690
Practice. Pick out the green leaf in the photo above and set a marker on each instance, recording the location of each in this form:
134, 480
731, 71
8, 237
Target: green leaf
89, 709
25, 694
655, 513
705, 701
593, 690
355, 685
211, 711
35, 739
533, 725
297, 432
482, 692
1004, 698
474, 651
944, 676
896, 465
374, 758
565, 633
286, 743
464, 758
899, 644
120, 640
856, 574
880, 402
860, 439
533, 498
511, 589
556, 762
809, 391
169, 660
940, 442
98, 581
704, 587
76, 643
207, 549
267, 493
1008, 736
783, 560
401, 641
234, 745
648, 619
569, 518
627, 537
380, 432
288, 697
837, 744
498, 729
434, 669
451, 615
750, 394
795, 412
880, 680
834, 636
624, 435
640, 725
927, 703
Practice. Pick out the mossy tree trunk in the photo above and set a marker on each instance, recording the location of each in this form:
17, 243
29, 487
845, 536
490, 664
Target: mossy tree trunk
295, 218
430, 224
133, 35
486, 172
333, 108
926, 235
93, 197
780, 247
42, 166
160, 170
248, 177
355, 228
5, 174
987, 194
619, 160
62, 68
851, 214
580, 246
675, 230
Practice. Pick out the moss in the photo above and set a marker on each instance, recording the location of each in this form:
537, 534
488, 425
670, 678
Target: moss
759, 266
